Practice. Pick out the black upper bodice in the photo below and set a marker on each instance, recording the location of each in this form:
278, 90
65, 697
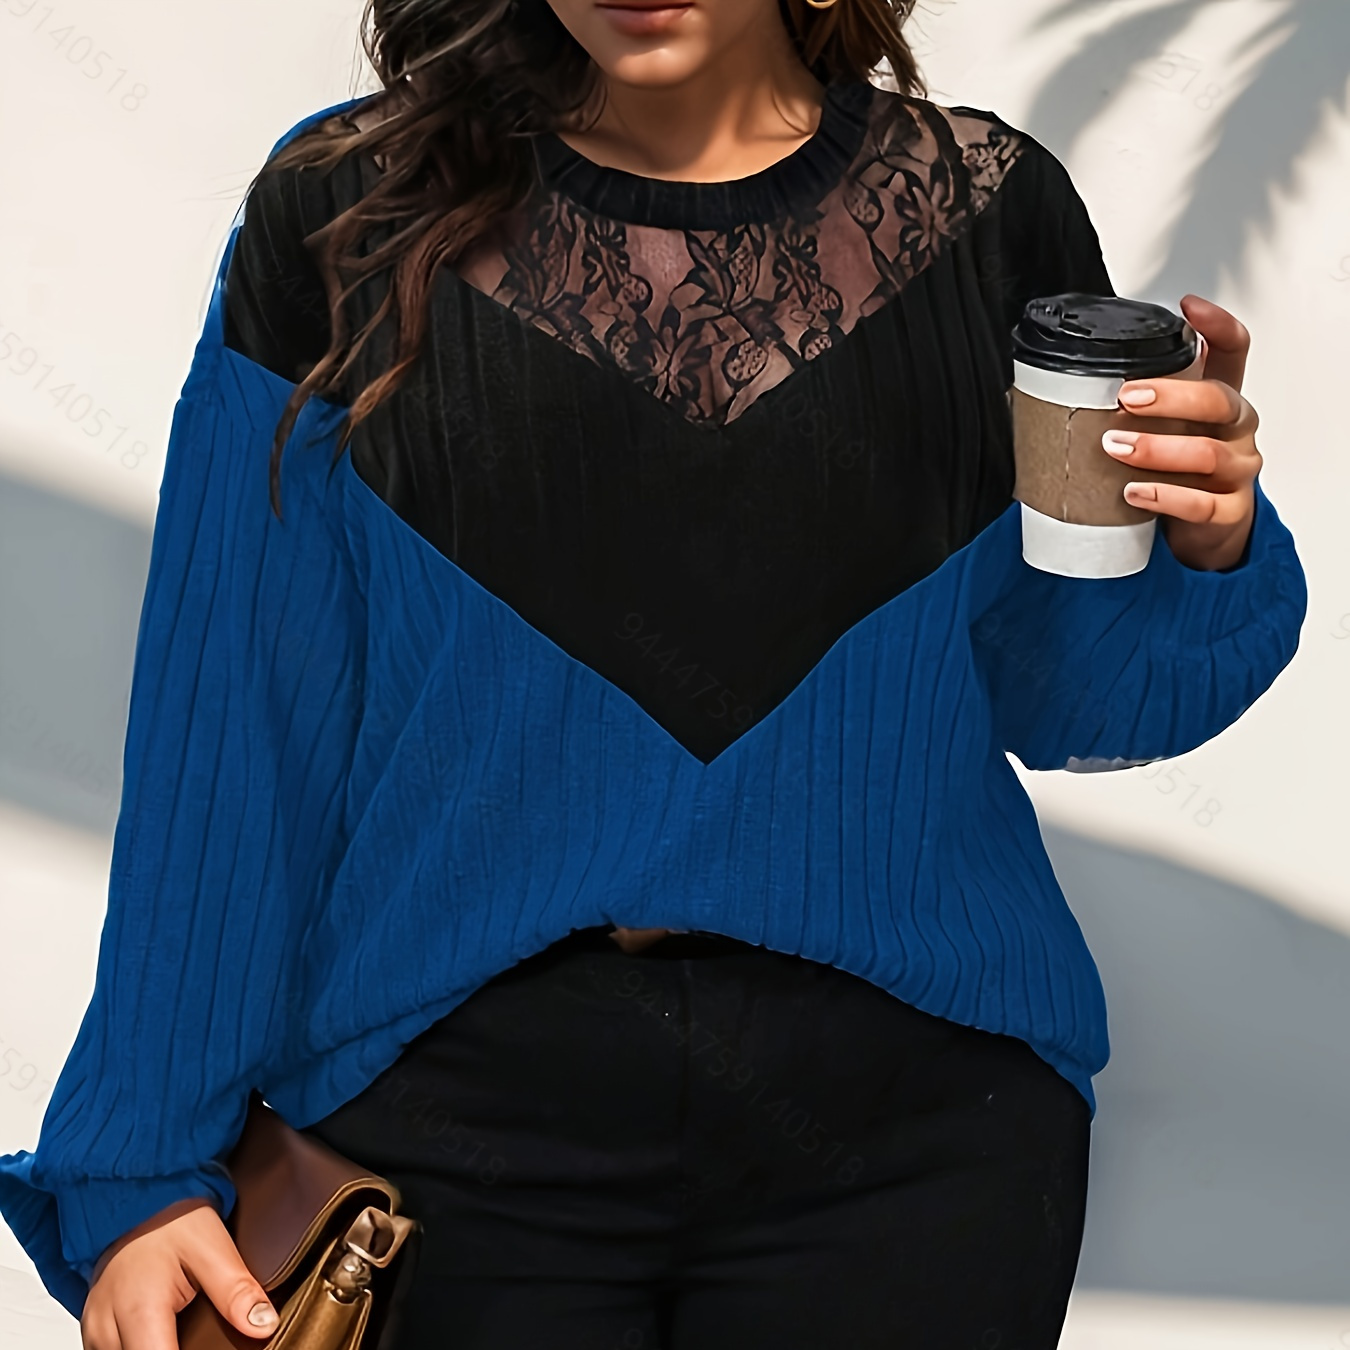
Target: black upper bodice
694, 432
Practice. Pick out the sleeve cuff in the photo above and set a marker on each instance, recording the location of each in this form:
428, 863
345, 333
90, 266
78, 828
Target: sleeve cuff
1264, 591
95, 1212
66, 1227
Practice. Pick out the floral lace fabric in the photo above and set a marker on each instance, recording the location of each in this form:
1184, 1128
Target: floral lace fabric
708, 320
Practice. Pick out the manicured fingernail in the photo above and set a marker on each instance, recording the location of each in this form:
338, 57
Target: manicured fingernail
262, 1315
1138, 398
1144, 492
1120, 442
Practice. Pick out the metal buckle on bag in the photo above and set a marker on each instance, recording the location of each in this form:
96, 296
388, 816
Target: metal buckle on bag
370, 1244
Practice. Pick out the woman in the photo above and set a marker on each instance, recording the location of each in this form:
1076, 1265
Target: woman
651, 664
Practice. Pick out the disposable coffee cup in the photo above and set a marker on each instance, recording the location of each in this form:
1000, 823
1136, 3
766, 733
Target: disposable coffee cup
1071, 354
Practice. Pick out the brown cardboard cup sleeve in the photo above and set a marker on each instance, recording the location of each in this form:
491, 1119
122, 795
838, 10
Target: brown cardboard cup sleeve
1063, 471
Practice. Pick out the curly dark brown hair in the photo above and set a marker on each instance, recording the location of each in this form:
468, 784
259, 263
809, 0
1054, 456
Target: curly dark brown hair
466, 82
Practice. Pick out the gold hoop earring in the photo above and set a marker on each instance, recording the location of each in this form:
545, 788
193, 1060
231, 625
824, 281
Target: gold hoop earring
821, 4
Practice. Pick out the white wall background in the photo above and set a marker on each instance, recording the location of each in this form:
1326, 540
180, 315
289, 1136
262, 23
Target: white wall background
1211, 141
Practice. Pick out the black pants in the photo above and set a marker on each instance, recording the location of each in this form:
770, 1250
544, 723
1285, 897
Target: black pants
706, 1146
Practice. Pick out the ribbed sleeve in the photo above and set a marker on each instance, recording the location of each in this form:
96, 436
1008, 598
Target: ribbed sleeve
1129, 668
1035, 238
276, 307
244, 705
1140, 667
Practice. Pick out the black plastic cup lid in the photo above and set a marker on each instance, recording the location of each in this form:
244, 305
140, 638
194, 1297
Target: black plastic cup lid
1078, 334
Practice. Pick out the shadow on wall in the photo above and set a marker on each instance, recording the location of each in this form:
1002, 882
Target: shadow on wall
1219, 1149
71, 582
1256, 146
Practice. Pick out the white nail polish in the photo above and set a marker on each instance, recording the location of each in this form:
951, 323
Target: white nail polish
1114, 443
262, 1315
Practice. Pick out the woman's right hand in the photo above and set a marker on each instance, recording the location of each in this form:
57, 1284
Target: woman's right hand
149, 1275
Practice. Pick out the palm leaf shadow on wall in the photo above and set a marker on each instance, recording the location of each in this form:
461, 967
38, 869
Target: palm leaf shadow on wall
1256, 142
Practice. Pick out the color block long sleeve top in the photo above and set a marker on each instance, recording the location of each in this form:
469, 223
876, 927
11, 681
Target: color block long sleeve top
680, 586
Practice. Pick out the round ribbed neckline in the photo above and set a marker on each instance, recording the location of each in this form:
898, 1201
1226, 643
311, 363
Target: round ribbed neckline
802, 177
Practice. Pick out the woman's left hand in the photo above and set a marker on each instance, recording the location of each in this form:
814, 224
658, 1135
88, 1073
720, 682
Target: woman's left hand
1205, 527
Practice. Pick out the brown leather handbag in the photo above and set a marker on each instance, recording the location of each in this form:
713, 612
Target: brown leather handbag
319, 1233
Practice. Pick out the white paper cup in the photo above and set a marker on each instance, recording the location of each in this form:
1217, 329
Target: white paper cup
1087, 483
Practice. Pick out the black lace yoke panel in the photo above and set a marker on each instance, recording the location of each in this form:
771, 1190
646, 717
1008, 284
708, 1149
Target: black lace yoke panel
709, 319
692, 433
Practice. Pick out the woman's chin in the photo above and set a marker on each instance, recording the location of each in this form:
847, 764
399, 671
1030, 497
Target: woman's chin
649, 65
649, 48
